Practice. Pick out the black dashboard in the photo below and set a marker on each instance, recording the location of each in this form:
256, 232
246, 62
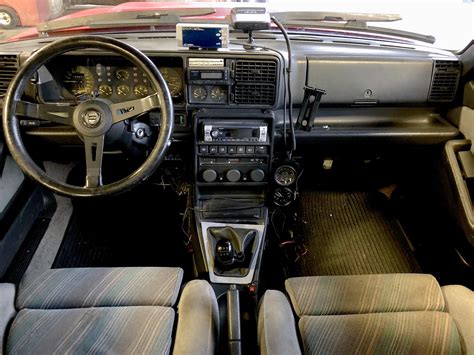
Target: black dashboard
376, 90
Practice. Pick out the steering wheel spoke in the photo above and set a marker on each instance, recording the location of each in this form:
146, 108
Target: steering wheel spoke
94, 147
128, 109
54, 112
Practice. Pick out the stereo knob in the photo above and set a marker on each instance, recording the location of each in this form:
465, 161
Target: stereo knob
257, 175
214, 133
209, 175
233, 175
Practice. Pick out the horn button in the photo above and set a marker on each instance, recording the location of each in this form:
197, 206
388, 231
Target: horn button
93, 117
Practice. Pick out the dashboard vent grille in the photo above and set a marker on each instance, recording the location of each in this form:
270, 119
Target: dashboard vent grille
255, 71
255, 82
8, 69
445, 80
254, 94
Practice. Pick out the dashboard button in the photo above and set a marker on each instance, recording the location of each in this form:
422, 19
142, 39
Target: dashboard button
222, 149
240, 149
203, 149
232, 149
261, 149
213, 149
250, 149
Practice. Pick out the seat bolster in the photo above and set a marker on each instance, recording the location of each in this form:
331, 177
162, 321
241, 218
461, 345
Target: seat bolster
198, 320
101, 287
95, 330
326, 295
381, 333
460, 305
276, 325
7, 310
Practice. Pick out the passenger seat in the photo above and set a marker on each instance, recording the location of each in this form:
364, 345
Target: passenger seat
389, 313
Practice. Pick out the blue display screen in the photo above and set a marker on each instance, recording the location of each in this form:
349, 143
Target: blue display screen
202, 37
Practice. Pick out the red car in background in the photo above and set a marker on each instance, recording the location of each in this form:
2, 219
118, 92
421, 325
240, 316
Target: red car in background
15, 13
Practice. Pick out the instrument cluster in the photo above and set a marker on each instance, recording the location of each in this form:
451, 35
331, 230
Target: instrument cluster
117, 83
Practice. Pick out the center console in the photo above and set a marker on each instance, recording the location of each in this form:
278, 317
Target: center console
232, 166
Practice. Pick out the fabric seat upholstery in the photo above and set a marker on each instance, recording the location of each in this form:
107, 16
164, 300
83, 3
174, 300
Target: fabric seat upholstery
105, 310
393, 313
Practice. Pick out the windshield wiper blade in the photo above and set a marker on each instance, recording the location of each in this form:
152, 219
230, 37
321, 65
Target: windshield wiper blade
334, 17
350, 21
124, 19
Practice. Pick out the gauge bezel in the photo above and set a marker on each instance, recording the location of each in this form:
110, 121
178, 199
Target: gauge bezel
287, 190
295, 173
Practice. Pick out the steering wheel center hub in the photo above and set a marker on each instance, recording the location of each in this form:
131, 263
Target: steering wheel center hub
93, 117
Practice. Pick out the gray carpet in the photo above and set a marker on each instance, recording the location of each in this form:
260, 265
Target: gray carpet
350, 233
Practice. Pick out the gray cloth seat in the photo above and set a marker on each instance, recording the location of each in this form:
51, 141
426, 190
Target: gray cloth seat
390, 313
111, 310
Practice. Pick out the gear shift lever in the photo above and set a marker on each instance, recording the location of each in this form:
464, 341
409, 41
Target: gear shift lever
231, 244
225, 252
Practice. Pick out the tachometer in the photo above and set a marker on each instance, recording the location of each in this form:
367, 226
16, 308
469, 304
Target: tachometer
79, 81
173, 79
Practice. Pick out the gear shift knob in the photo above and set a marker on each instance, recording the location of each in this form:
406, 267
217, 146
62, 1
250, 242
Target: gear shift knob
224, 252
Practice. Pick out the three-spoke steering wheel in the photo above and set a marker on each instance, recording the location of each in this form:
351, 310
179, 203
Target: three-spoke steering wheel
92, 118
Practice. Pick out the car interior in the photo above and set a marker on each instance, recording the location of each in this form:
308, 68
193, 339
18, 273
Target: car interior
276, 191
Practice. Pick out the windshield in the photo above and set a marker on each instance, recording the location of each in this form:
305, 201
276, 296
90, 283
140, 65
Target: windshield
448, 22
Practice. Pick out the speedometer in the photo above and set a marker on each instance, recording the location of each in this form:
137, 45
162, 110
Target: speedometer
173, 79
79, 81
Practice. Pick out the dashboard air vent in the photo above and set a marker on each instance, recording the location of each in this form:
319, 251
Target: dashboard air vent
445, 80
8, 69
255, 82
254, 94
255, 71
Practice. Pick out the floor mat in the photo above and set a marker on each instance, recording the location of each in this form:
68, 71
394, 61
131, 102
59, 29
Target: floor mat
350, 233
140, 228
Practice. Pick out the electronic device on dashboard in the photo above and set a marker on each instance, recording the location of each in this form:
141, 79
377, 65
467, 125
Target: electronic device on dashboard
202, 36
248, 19
231, 132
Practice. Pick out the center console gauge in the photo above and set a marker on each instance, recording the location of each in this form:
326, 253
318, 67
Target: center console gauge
285, 175
199, 93
283, 196
218, 94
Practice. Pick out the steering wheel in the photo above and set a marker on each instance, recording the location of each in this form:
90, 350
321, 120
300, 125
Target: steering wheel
91, 119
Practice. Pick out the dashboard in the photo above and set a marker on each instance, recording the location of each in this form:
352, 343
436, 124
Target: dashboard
375, 90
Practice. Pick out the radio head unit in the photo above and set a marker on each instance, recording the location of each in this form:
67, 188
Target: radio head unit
205, 76
249, 131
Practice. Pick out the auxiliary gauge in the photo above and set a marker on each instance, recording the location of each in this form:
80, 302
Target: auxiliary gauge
199, 93
218, 94
285, 175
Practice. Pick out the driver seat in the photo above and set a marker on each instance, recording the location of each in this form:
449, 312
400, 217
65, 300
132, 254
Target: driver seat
108, 310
